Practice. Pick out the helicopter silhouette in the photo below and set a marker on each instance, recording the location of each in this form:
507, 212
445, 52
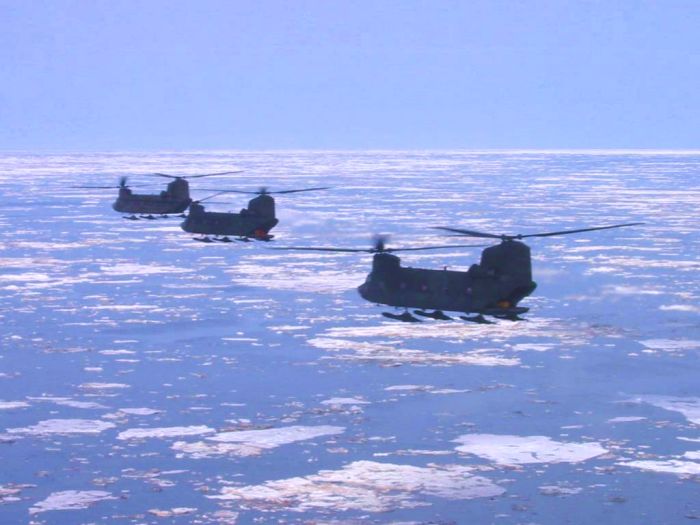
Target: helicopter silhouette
254, 222
175, 199
495, 286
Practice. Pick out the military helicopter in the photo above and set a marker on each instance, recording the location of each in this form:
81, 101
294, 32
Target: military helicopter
254, 222
174, 199
493, 287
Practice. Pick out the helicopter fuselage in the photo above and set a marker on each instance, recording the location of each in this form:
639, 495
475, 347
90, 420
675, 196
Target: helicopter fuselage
255, 221
498, 283
175, 199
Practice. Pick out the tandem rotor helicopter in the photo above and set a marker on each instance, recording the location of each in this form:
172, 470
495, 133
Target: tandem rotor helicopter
254, 222
175, 199
493, 287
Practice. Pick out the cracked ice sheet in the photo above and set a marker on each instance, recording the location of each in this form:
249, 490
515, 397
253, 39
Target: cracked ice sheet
164, 432
70, 500
688, 406
63, 426
348, 350
253, 442
681, 465
519, 450
365, 485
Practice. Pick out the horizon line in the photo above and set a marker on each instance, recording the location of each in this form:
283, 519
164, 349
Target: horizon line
590, 151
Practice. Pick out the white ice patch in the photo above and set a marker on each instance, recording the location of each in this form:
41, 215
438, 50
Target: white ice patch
68, 402
348, 350
340, 403
671, 345
164, 432
70, 500
558, 490
681, 466
253, 442
139, 411
424, 388
688, 406
103, 386
516, 450
367, 486
130, 269
63, 426
626, 419
680, 308
11, 405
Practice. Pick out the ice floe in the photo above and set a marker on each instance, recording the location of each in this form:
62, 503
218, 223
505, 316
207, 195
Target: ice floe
70, 500
516, 450
11, 405
253, 442
681, 465
103, 386
348, 350
688, 406
140, 411
164, 432
64, 426
626, 419
367, 486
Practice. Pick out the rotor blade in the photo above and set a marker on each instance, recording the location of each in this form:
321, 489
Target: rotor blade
470, 233
209, 197
566, 232
211, 174
194, 176
230, 191
111, 187
94, 187
297, 191
265, 192
309, 249
446, 246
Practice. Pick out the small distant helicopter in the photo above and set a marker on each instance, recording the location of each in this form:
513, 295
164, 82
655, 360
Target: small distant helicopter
254, 222
175, 199
493, 287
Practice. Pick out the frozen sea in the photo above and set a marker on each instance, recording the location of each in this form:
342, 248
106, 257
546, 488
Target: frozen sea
148, 378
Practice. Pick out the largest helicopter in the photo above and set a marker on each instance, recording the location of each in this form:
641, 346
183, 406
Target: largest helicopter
495, 286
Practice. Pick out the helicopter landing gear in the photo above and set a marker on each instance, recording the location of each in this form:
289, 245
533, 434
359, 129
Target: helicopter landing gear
438, 315
202, 239
479, 319
149, 217
243, 239
130, 217
223, 239
405, 317
510, 317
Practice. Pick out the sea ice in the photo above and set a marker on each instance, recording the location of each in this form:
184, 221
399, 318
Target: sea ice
515, 450
365, 485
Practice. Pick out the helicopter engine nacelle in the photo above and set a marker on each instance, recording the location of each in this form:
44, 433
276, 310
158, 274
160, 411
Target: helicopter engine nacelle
262, 206
510, 259
179, 189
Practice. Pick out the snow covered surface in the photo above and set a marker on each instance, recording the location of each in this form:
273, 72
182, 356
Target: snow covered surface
148, 376
526, 449
366, 486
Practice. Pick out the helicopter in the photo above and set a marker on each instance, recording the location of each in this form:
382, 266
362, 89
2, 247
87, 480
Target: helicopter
175, 199
255, 221
495, 286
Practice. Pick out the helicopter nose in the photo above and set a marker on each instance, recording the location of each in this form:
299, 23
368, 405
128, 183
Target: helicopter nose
362, 290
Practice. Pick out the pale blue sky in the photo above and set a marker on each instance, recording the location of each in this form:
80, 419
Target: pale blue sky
270, 74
